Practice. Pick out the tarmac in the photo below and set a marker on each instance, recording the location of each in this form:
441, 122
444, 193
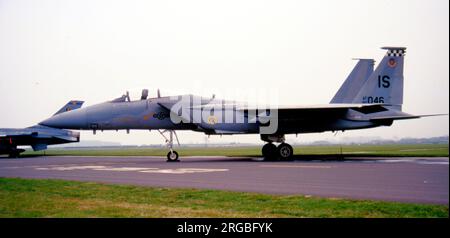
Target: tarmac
411, 180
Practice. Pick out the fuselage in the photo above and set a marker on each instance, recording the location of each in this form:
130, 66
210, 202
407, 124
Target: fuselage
153, 113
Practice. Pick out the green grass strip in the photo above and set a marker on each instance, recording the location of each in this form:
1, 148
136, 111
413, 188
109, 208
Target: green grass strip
58, 198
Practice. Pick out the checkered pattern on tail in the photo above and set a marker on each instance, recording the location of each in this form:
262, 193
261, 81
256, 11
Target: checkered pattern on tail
396, 52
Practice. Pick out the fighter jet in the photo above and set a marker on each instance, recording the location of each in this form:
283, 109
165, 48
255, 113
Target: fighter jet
38, 136
368, 98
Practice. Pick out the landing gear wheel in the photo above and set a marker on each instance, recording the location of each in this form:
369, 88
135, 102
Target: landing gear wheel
172, 156
285, 151
269, 151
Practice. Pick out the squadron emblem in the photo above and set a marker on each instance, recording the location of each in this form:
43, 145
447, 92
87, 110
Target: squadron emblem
392, 63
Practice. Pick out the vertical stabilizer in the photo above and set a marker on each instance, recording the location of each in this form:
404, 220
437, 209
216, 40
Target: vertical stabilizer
385, 85
72, 105
355, 80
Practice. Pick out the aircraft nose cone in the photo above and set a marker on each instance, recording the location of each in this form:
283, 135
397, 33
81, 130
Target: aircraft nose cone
67, 120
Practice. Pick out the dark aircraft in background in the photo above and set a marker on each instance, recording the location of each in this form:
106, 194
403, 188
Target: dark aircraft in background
38, 136
368, 98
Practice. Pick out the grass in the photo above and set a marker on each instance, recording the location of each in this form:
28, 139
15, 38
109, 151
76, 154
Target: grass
418, 150
57, 198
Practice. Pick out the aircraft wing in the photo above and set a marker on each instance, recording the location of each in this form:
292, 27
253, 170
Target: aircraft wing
337, 106
16, 133
294, 110
25, 134
37, 136
321, 107
331, 110
320, 111
310, 112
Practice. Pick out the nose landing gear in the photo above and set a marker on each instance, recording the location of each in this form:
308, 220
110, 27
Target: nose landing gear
172, 156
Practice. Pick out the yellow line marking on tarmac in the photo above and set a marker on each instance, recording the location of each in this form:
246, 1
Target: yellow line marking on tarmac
298, 166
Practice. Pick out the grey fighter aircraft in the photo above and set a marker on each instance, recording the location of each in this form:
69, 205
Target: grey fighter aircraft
38, 136
368, 98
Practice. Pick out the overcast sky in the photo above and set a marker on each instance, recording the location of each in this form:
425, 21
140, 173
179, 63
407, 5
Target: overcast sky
55, 51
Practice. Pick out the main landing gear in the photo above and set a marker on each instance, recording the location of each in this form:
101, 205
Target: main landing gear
272, 152
172, 156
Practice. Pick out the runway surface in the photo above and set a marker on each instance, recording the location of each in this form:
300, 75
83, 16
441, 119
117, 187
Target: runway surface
416, 180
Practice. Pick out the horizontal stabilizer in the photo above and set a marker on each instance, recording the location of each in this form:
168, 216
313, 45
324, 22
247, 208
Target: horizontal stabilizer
404, 117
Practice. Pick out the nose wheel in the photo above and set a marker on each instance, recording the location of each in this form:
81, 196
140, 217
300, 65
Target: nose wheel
172, 156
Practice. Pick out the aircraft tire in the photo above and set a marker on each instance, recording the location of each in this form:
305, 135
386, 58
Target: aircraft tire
172, 156
269, 152
285, 151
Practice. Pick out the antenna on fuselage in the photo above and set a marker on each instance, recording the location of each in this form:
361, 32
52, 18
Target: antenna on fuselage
159, 93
